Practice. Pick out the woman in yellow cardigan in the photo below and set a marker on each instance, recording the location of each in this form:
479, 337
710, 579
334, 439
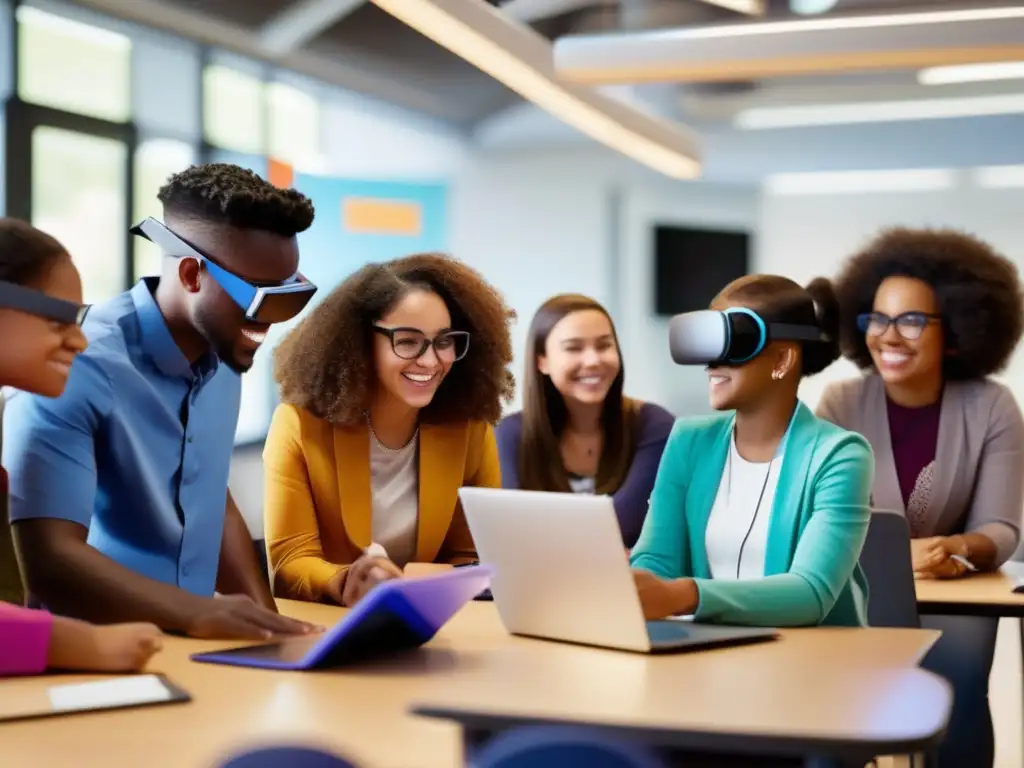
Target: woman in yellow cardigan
389, 389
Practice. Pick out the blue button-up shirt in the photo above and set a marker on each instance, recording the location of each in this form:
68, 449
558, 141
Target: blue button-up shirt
137, 449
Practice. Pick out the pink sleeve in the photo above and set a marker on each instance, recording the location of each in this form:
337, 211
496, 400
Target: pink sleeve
24, 640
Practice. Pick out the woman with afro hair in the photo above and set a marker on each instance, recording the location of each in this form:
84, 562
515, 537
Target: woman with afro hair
930, 315
389, 390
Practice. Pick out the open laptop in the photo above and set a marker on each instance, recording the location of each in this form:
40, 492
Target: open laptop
561, 573
396, 615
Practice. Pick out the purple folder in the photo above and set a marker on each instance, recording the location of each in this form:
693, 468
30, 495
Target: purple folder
396, 615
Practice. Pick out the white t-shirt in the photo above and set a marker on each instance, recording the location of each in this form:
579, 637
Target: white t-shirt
581, 484
394, 484
732, 516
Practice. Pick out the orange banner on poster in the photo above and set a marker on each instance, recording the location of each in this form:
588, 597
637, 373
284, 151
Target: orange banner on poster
281, 175
374, 216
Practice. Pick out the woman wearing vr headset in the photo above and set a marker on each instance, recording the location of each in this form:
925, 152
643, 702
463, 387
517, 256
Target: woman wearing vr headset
40, 307
577, 431
758, 516
930, 315
389, 390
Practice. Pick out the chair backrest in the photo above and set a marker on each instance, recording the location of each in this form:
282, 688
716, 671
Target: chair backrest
554, 746
892, 599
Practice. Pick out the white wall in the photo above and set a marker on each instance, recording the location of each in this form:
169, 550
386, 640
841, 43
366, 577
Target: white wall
803, 236
580, 220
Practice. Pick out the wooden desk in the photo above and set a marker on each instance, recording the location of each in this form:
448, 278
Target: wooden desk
365, 713
979, 594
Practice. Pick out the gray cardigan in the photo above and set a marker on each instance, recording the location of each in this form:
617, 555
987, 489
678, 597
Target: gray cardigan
979, 478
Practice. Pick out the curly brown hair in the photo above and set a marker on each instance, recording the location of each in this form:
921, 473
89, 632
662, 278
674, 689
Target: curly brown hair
325, 364
978, 291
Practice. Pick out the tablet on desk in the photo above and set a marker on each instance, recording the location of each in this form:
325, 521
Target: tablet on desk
396, 615
34, 699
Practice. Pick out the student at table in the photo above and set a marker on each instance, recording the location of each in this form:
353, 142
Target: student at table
759, 514
930, 315
118, 489
389, 388
40, 310
578, 432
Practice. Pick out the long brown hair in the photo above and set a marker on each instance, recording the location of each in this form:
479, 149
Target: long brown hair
545, 414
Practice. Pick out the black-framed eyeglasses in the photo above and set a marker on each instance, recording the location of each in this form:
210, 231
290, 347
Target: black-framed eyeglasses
909, 325
23, 299
412, 343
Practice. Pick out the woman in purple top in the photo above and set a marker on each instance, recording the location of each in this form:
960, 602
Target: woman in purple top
578, 432
930, 315
40, 309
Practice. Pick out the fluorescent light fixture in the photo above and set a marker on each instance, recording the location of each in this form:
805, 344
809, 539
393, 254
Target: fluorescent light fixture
972, 73
840, 42
811, 7
760, 118
858, 182
998, 177
828, 23
748, 7
520, 58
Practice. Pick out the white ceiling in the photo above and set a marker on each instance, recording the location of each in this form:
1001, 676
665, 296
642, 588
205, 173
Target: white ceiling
356, 45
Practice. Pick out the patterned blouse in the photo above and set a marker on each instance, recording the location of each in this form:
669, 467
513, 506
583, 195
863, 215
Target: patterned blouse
915, 436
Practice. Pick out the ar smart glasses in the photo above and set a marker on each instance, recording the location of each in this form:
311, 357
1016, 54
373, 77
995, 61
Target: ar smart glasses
262, 303
14, 296
732, 337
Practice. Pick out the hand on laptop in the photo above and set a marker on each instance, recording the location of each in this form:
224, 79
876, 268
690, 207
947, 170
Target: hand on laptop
665, 597
362, 576
229, 617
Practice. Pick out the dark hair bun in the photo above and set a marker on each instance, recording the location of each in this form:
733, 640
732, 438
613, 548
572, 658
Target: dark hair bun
818, 357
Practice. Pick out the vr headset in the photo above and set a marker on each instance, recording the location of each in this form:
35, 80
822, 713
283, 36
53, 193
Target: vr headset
14, 296
732, 337
262, 303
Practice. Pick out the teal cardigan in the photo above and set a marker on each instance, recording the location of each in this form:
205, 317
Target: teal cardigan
818, 524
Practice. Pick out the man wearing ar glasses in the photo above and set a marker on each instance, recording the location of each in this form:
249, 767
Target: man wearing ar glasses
119, 499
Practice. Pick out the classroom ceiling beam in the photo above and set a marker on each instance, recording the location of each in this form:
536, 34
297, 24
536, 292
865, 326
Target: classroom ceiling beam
303, 21
519, 58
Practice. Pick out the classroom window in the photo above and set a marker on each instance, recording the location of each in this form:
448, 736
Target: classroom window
155, 161
233, 110
72, 66
79, 196
293, 121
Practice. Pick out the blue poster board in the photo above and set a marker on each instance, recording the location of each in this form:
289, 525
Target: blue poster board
357, 222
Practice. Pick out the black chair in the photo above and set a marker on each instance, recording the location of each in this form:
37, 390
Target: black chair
892, 597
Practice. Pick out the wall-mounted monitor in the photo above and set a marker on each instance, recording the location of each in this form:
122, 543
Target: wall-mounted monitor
691, 265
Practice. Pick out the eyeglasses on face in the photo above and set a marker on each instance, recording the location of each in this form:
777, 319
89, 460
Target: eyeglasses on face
909, 325
412, 343
14, 296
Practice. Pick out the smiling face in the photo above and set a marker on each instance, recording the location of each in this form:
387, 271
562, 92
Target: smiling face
421, 314
900, 360
581, 357
258, 257
37, 353
738, 387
